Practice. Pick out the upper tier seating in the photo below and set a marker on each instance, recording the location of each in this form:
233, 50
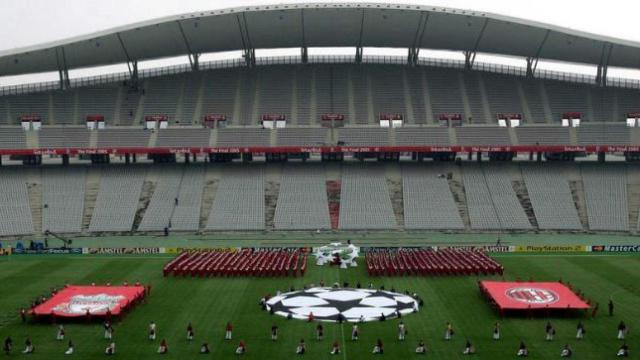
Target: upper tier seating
12, 138
483, 135
123, 138
183, 137
302, 136
64, 137
417, 136
370, 136
543, 135
230, 137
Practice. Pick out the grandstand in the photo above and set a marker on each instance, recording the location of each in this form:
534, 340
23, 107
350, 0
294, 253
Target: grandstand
321, 115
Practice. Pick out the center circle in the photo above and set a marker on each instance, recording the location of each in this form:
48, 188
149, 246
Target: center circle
348, 304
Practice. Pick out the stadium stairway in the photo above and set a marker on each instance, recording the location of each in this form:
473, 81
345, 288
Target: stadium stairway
523, 196
457, 190
211, 181
394, 183
633, 195
577, 192
271, 191
92, 186
148, 187
34, 188
333, 197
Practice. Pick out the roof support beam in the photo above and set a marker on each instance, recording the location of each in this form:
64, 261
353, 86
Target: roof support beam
603, 67
470, 55
193, 57
304, 52
359, 46
414, 50
532, 61
248, 51
132, 65
63, 69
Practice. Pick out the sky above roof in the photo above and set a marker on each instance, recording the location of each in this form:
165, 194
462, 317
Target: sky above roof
31, 22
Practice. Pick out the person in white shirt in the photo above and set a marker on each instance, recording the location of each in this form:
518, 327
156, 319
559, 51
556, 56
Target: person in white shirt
70, 348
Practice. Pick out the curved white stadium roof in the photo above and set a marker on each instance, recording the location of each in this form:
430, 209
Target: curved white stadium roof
323, 25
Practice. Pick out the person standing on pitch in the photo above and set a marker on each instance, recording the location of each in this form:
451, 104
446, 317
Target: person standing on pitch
580, 331
274, 333
610, 305
60, 333
163, 348
522, 350
496, 331
70, 348
335, 348
241, 349
468, 348
378, 348
152, 330
28, 347
108, 330
319, 332
594, 311
354, 333
549, 331
622, 330
402, 331
448, 333
228, 334
190, 333
8, 345
111, 349
300, 350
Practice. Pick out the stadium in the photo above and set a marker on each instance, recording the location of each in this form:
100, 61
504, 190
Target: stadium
409, 199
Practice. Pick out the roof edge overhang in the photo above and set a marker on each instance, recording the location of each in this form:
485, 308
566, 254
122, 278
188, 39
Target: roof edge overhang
623, 53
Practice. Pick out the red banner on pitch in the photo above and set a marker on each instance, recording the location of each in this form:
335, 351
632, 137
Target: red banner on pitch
532, 295
75, 301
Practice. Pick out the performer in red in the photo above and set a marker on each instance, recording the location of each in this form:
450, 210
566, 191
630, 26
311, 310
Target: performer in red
228, 331
311, 317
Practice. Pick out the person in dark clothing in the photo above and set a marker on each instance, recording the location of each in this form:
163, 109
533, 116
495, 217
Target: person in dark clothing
610, 305
8, 345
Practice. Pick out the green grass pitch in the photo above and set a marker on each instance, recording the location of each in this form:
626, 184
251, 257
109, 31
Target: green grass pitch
209, 303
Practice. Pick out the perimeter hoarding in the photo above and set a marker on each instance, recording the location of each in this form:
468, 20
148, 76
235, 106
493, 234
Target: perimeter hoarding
552, 248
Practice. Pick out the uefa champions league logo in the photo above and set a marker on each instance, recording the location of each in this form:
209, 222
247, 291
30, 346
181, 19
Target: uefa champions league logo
533, 295
80, 304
